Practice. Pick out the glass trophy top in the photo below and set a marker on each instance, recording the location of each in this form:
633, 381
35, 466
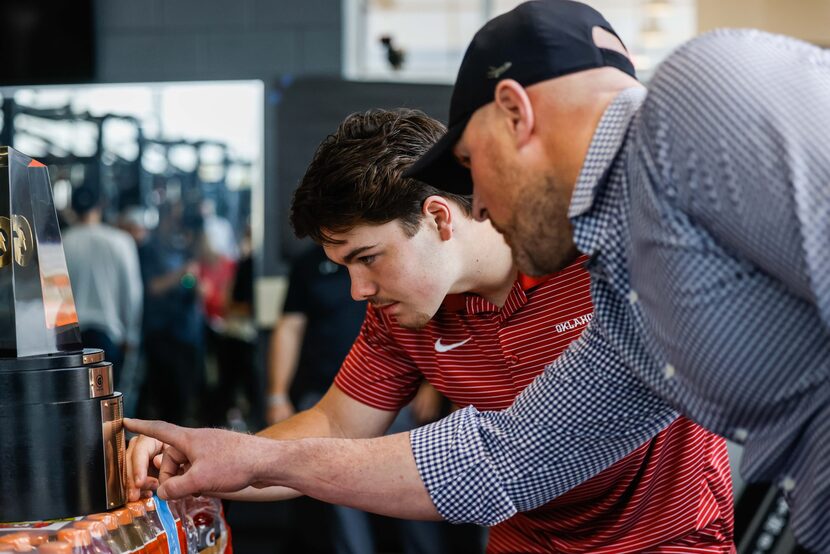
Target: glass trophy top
37, 311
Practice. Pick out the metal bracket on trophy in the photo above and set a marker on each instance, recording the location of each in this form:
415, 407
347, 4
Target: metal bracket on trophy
61, 430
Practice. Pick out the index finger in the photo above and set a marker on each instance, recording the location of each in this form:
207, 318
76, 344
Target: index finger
140, 454
161, 430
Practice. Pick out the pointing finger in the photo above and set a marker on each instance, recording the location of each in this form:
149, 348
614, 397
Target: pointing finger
161, 430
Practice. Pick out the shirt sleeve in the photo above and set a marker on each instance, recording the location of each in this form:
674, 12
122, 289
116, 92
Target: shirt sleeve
585, 412
735, 132
378, 371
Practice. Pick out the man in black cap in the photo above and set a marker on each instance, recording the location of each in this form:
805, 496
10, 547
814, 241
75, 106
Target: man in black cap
704, 210
703, 206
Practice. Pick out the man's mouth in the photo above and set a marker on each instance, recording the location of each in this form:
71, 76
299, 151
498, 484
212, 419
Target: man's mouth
388, 307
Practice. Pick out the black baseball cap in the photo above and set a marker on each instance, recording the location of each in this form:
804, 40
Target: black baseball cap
534, 42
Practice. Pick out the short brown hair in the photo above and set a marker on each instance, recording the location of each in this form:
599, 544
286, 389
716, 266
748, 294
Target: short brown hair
356, 175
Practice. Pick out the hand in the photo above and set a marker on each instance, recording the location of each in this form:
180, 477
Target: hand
280, 412
143, 461
200, 461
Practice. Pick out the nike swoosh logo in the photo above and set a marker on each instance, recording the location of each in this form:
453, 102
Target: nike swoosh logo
447, 347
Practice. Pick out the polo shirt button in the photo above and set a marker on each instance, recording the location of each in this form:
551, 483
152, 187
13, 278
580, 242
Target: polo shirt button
787, 484
740, 435
668, 371
633, 297
512, 359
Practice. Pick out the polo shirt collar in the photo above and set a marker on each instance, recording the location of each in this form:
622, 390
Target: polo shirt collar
474, 304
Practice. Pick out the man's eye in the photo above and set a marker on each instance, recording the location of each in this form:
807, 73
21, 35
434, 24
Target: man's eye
366, 260
464, 161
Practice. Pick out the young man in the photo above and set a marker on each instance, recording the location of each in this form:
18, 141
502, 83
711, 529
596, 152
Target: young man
447, 304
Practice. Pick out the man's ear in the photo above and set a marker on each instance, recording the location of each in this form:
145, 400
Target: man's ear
437, 209
513, 103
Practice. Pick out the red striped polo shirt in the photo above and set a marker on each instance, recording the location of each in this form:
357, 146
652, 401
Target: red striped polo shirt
672, 494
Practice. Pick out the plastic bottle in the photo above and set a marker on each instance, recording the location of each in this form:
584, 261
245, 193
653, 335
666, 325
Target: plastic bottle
125, 522
80, 539
59, 547
37, 537
206, 528
117, 534
207, 515
185, 528
102, 542
156, 525
16, 542
145, 529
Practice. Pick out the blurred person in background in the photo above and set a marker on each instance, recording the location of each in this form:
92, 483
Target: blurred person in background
238, 371
215, 278
174, 320
106, 282
219, 231
215, 274
134, 221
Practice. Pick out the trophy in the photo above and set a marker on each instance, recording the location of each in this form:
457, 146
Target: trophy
61, 422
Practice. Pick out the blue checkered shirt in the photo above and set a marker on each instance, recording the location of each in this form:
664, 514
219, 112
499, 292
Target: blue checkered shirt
705, 210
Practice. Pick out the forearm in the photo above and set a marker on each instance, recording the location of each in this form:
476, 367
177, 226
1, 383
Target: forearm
253, 494
309, 423
376, 475
336, 415
286, 342
371, 474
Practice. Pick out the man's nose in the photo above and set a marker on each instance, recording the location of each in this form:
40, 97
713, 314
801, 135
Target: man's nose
362, 288
479, 210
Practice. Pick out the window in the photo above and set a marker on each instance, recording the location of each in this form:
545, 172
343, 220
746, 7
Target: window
426, 39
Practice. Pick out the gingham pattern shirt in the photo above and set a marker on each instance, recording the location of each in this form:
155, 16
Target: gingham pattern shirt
705, 209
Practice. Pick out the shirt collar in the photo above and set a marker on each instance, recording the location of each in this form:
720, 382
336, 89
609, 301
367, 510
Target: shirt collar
605, 145
475, 304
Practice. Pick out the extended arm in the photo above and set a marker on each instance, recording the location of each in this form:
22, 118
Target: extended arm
583, 414
336, 415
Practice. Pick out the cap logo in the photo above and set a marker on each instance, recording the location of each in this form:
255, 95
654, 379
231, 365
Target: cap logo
496, 72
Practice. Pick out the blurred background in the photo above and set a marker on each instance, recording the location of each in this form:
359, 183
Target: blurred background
187, 124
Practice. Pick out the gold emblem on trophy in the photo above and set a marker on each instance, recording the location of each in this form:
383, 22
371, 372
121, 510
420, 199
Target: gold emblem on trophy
5, 242
16, 241
23, 244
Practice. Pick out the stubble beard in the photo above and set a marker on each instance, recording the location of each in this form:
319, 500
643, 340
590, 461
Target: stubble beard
542, 237
413, 321
416, 322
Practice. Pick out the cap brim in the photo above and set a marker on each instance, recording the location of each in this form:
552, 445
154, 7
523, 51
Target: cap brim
439, 168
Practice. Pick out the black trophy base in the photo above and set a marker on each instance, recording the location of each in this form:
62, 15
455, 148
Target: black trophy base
61, 443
